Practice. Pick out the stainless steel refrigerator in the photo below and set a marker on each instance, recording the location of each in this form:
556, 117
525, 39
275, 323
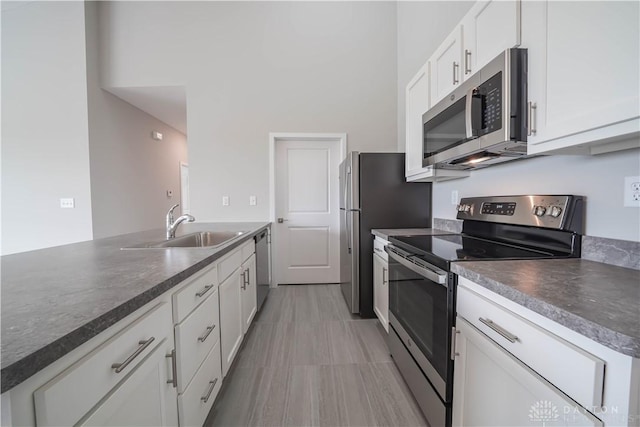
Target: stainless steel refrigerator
374, 194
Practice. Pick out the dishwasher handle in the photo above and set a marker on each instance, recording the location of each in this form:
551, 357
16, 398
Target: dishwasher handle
432, 273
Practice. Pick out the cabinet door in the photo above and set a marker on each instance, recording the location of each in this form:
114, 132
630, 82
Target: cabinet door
583, 72
381, 290
230, 318
445, 66
249, 293
145, 398
490, 27
493, 388
417, 103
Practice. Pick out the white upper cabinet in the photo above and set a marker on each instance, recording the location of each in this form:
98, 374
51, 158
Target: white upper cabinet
445, 63
489, 28
417, 100
584, 75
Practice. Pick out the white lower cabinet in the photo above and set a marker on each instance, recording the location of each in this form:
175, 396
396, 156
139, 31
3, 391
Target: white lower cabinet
230, 319
118, 381
513, 366
196, 401
493, 388
145, 398
249, 292
195, 337
381, 282
160, 366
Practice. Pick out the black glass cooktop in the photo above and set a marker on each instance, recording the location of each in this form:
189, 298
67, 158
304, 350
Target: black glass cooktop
458, 247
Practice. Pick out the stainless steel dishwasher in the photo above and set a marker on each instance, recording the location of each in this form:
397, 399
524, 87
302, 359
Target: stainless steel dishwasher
263, 265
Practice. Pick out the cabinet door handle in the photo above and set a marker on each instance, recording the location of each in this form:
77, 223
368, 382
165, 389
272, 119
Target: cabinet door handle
455, 73
385, 272
212, 385
467, 61
531, 117
244, 280
174, 369
204, 290
119, 367
203, 337
500, 330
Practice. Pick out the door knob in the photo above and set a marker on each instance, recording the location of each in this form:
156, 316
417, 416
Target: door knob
281, 220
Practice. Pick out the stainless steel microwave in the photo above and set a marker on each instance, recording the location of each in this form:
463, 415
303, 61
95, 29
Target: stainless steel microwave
483, 121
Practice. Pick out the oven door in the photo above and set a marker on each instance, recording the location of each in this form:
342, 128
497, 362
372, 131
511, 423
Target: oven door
421, 314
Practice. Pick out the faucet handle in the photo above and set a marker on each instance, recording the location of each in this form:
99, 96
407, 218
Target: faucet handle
170, 213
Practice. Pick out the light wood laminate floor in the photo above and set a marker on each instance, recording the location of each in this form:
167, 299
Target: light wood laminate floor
307, 361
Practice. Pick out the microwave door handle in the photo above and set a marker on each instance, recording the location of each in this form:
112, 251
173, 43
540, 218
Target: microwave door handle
468, 114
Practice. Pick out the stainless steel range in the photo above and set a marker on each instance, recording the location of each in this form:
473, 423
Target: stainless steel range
422, 288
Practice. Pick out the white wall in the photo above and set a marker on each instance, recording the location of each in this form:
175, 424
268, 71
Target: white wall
45, 143
251, 68
130, 172
599, 178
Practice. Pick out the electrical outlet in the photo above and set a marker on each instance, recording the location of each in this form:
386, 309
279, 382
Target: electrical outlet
632, 192
67, 203
253, 201
225, 200
454, 197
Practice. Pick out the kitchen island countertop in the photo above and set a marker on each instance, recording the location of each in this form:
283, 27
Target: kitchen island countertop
55, 299
599, 301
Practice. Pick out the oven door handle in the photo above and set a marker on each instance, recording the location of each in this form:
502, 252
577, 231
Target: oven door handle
435, 275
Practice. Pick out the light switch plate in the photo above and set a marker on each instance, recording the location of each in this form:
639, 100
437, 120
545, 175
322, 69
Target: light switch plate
253, 201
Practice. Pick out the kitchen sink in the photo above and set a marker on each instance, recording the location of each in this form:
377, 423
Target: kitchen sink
201, 239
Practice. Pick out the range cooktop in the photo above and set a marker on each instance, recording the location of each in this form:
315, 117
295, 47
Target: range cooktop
458, 247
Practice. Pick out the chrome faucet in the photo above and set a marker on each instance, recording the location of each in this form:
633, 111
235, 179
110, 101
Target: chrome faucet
172, 225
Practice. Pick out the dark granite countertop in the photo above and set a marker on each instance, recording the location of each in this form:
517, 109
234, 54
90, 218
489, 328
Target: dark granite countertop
599, 301
385, 233
55, 299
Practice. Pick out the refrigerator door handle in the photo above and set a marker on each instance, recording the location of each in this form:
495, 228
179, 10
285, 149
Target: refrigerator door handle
346, 221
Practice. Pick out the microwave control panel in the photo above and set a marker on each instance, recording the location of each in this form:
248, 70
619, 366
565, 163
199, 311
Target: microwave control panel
491, 93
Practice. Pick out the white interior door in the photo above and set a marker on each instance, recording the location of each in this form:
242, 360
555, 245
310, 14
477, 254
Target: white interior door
306, 233
184, 188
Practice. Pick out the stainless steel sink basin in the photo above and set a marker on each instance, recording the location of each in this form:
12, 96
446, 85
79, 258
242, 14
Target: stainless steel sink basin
201, 239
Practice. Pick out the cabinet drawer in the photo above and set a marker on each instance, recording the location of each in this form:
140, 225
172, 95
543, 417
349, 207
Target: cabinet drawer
229, 264
195, 337
378, 248
191, 295
248, 249
70, 395
196, 402
576, 372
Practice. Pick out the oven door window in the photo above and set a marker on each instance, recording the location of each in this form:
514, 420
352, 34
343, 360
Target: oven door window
420, 306
446, 130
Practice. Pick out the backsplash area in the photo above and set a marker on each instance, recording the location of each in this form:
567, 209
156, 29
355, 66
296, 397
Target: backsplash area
622, 253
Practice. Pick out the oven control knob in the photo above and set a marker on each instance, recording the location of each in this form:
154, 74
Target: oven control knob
555, 211
539, 210
464, 208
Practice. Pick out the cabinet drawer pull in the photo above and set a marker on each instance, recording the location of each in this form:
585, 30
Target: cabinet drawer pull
204, 290
212, 385
500, 330
467, 61
377, 250
119, 367
174, 369
455, 73
207, 333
